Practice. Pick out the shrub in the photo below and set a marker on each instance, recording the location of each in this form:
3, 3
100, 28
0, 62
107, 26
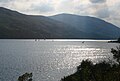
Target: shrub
25, 77
116, 54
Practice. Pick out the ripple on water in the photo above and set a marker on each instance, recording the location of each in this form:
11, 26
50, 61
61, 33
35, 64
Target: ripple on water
48, 60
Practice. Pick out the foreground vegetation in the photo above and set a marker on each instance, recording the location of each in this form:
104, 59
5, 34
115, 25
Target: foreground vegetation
103, 71
87, 71
25, 77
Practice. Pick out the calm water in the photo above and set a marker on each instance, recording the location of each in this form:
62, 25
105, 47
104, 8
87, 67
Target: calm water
48, 60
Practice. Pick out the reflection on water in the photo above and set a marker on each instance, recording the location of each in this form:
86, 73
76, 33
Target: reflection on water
48, 60
74, 54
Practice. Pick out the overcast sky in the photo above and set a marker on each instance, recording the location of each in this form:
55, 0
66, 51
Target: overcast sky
104, 9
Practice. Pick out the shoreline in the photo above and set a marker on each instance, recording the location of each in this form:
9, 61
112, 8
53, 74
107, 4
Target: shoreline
113, 42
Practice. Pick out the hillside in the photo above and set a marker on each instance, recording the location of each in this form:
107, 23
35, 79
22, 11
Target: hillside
14, 25
96, 28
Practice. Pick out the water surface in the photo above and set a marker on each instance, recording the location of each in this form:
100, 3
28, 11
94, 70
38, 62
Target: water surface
48, 60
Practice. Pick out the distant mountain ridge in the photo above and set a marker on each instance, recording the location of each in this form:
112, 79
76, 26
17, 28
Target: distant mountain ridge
91, 25
15, 25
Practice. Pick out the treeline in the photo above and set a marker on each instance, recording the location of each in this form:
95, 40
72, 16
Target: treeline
103, 71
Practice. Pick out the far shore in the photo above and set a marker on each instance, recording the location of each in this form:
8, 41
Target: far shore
113, 41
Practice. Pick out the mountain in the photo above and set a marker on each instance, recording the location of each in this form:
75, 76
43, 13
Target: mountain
96, 28
17, 25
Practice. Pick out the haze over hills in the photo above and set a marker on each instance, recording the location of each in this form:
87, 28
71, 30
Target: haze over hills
96, 28
16, 25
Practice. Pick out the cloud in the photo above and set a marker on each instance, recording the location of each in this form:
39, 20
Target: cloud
97, 1
102, 13
101, 10
6, 0
96, 10
42, 8
104, 9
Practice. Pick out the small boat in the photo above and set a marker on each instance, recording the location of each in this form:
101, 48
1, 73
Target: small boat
35, 39
82, 41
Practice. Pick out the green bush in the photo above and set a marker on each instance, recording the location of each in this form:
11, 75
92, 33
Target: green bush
103, 71
116, 54
25, 77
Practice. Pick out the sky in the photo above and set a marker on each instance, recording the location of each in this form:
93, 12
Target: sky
107, 10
